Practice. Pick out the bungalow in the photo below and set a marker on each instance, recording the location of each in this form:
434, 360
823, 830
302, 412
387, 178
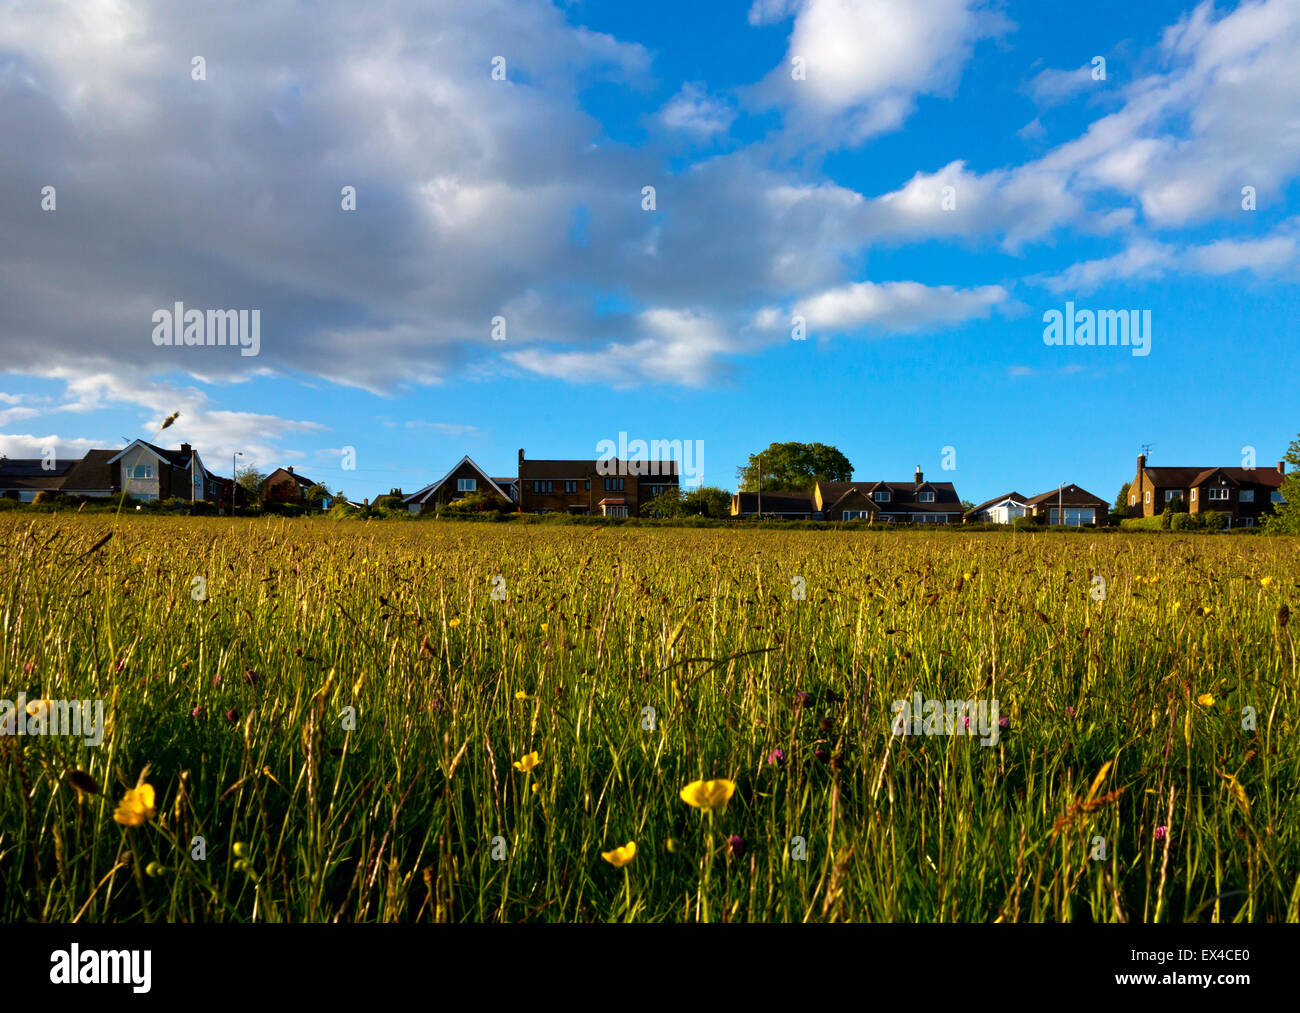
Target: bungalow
465, 479
607, 487
1070, 505
915, 502
1243, 494
1000, 509
790, 506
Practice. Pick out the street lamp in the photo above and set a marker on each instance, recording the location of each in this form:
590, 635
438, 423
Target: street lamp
233, 483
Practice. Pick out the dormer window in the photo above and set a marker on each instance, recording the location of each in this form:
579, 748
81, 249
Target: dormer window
466, 484
927, 497
881, 495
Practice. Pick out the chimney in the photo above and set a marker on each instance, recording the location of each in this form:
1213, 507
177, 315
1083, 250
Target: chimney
1142, 462
186, 449
521, 460
289, 469
919, 477
1281, 467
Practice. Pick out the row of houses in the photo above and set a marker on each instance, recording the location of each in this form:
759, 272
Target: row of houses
618, 488
140, 469
143, 471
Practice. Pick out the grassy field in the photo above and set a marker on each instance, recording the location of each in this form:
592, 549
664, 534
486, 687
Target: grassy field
340, 712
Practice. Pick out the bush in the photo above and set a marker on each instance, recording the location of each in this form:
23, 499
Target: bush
47, 497
1023, 524
1184, 522
1215, 520
1156, 523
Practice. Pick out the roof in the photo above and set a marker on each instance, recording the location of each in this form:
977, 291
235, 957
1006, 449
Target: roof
998, 499
1187, 477
92, 472
422, 495
903, 495
607, 467
1071, 494
306, 483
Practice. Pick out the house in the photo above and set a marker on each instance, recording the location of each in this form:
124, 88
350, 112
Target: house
465, 479
1000, 509
147, 472
1243, 494
284, 485
1070, 505
790, 506
24, 478
604, 487
914, 502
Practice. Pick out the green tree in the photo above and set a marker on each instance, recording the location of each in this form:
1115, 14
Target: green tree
1121, 500
794, 467
1285, 519
251, 481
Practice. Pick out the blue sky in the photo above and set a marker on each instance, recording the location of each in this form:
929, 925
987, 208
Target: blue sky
934, 178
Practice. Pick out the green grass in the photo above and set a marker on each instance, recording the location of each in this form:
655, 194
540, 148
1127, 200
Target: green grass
395, 820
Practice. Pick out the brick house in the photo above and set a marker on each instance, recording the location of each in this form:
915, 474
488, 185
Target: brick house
284, 485
1244, 494
605, 487
1070, 505
914, 502
465, 479
24, 479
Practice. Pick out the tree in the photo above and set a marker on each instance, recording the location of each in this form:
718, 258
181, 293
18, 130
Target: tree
1285, 519
1120, 510
794, 467
251, 481
706, 501
314, 496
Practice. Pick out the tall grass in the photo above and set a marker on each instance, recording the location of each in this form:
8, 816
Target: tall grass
238, 706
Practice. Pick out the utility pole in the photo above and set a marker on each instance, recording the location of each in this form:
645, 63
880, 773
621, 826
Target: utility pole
233, 482
760, 487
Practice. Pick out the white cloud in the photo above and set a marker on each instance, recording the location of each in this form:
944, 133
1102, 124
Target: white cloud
896, 306
694, 111
867, 61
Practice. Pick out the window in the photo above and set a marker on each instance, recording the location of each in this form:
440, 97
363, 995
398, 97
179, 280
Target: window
857, 515
616, 511
1193, 495
927, 497
1173, 494
1219, 494
929, 518
571, 485
1074, 516
142, 471
466, 484
1247, 522
1148, 497
1132, 501
881, 496
542, 486
1246, 496
1276, 497
613, 485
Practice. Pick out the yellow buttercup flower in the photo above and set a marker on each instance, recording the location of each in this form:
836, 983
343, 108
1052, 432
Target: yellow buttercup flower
521, 695
137, 805
619, 857
453, 623
1265, 581
527, 762
1206, 699
708, 794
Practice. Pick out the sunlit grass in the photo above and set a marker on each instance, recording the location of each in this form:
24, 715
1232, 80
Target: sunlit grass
418, 804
